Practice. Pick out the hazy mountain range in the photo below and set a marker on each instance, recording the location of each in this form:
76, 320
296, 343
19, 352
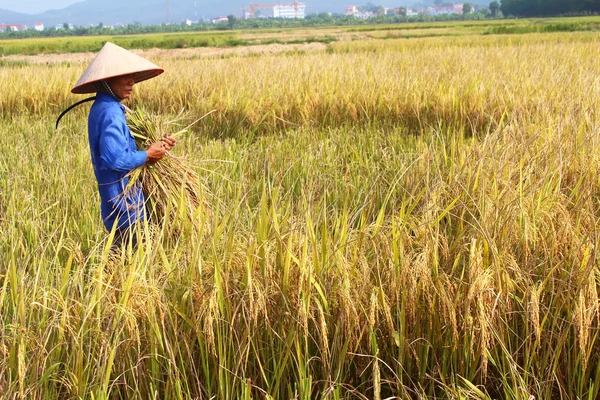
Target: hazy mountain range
111, 12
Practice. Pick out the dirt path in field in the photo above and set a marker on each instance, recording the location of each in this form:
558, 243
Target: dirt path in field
174, 53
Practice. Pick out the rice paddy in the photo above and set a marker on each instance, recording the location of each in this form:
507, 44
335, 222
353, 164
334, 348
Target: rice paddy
390, 218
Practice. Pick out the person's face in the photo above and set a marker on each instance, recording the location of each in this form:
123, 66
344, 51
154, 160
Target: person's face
122, 85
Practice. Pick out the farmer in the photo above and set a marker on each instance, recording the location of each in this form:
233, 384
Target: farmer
112, 75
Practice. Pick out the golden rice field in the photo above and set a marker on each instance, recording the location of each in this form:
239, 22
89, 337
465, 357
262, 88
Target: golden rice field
410, 219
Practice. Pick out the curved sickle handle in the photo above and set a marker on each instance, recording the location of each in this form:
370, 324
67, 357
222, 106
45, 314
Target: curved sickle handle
72, 107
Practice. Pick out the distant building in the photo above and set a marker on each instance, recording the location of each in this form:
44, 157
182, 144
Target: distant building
446, 10
351, 10
355, 12
58, 27
365, 14
294, 10
279, 10
12, 27
220, 20
38, 26
409, 12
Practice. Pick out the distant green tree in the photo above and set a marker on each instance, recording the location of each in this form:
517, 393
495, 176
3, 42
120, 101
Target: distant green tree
65, 25
494, 8
231, 20
467, 8
532, 8
370, 7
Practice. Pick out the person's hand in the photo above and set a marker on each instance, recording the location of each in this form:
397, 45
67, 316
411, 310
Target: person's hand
156, 151
169, 142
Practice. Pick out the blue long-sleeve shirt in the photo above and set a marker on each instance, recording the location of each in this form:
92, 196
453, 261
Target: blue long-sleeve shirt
114, 154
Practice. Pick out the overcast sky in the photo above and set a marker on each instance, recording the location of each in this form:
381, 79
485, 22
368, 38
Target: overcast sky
35, 6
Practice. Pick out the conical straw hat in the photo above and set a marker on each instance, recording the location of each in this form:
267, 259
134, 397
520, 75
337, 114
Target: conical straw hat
112, 61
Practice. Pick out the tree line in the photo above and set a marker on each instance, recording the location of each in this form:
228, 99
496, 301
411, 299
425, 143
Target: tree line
535, 8
234, 23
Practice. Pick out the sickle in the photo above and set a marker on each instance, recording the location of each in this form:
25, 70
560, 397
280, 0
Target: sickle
73, 106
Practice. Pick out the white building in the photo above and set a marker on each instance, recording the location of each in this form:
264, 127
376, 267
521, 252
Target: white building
354, 11
220, 20
12, 27
62, 26
446, 10
38, 26
351, 10
289, 11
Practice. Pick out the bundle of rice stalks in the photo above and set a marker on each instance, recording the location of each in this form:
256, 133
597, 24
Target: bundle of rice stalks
171, 186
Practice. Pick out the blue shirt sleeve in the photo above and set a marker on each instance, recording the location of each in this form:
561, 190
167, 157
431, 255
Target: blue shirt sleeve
115, 151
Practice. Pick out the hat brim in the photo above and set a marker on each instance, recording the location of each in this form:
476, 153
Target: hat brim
90, 87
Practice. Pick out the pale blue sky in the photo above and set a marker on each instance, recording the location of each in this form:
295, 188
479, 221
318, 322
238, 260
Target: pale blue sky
35, 6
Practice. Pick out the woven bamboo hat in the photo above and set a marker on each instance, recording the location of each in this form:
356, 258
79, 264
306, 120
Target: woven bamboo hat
113, 61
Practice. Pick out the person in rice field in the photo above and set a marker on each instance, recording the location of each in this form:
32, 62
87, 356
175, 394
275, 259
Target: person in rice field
112, 75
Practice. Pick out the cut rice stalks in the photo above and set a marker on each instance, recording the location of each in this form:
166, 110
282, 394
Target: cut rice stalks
171, 187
